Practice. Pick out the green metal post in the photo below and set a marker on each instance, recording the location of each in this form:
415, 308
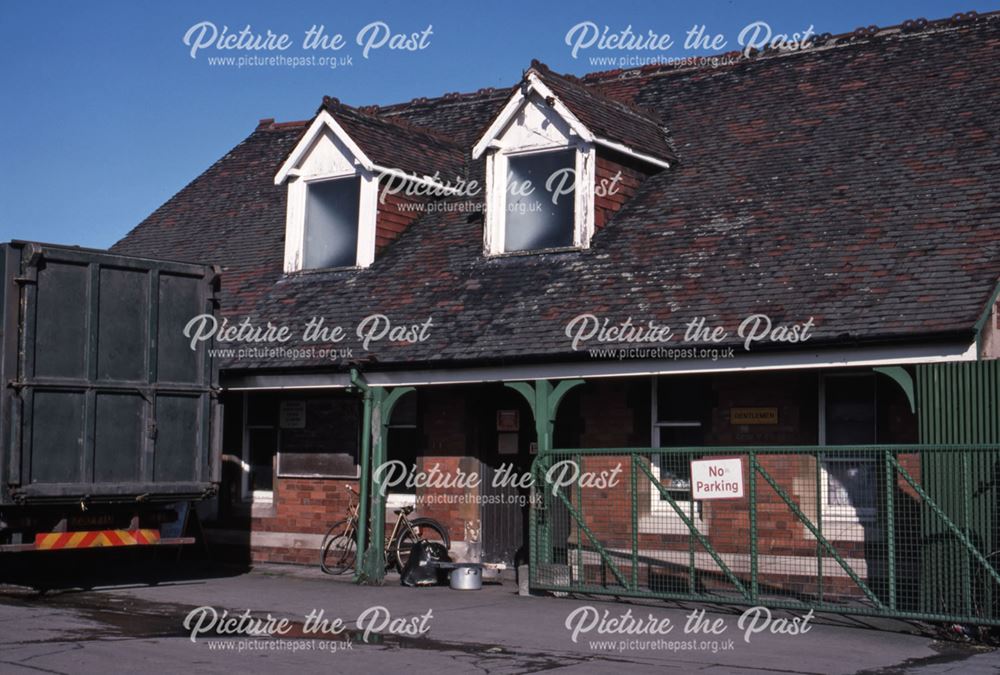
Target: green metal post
966, 498
819, 524
383, 402
543, 399
366, 426
373, 571
692, 560
635, 525
579, 549
890, 525
754, 591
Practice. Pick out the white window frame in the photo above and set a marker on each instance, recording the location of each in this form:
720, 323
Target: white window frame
497, 170
533, 90
660, 511
849, 522
296, 217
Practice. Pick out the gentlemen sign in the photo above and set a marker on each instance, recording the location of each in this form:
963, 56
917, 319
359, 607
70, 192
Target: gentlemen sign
753, 415
717, 478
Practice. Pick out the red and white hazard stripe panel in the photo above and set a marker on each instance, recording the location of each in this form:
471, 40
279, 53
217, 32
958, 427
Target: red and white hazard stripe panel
51, 541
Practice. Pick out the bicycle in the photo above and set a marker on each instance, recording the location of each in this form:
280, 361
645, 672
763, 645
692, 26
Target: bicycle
339, 547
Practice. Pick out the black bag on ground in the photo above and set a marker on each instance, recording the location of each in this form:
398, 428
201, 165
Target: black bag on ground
420, 569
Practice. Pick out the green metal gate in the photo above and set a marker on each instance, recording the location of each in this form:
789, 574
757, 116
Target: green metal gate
905, 531
958, 403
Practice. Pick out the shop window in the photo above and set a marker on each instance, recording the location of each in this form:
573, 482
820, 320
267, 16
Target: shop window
304, 436
681, 408
320, 436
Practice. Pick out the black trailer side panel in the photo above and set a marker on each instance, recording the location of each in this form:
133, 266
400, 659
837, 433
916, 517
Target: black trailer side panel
107, 400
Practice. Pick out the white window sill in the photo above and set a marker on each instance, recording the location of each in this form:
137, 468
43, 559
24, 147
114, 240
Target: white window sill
258, 507
396, 500
538, 251
846, 527
321, 270
663, 519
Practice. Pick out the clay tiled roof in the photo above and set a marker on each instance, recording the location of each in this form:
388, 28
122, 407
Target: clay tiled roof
856, 182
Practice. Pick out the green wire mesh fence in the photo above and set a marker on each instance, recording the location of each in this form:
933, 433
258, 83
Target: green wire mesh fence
899, 531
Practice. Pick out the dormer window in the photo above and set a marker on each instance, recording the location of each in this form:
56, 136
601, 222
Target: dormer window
539, 180
331, 223
336, 216
540, 201
542, 153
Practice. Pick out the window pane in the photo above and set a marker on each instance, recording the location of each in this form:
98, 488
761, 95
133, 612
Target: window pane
683, 398
543, 218
332, 425
263, 445
331, 233
675, 469
262, 409
850, 410
851, 483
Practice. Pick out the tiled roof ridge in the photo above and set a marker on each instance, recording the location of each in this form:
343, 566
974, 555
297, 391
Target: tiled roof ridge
370, 113
452, 96
629, 106
820, 41
593, 80
268, 124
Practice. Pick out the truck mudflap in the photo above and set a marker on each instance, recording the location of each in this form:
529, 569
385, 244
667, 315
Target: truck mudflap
60, 541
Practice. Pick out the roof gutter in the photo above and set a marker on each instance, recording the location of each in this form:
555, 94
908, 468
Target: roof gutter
806, 359
625, 150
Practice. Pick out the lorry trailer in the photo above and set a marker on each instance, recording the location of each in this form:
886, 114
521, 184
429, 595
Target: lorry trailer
109, 418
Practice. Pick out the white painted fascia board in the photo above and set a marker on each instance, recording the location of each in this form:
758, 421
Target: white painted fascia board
626, 150
775, 361
499, 124
324, 120
514, 105
749, 363
575, 124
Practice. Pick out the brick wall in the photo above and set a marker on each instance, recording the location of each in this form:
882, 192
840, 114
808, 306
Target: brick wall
783, 540
392, 219
608, 199
609, 413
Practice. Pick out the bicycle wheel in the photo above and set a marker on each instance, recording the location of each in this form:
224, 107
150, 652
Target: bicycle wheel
337, 553
427, 529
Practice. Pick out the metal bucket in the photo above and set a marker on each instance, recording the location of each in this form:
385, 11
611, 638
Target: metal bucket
467, 577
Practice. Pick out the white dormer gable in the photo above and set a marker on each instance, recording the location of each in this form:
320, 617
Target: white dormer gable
532, 107
535, 138
327, 155
535, 126
538, 136
332, 200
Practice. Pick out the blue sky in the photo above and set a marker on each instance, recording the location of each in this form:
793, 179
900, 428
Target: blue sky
106, 114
